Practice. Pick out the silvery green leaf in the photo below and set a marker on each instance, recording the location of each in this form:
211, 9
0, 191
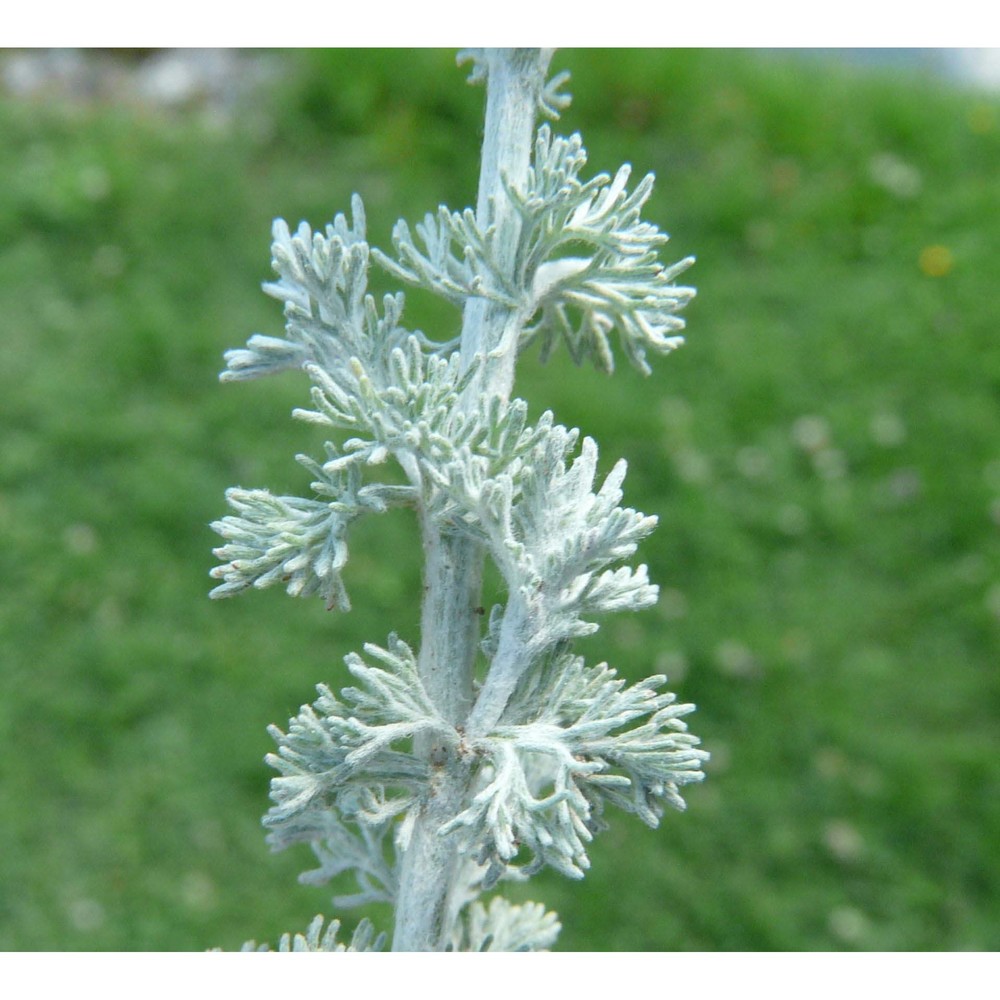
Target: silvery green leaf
406, 405
566, 533
617, 284
571, 740
480, 66
457, 261
321, 281
263, 356
348, 838
555, 541
551, 103
297, 542
504, 926
333, 748
317, 939
331, 322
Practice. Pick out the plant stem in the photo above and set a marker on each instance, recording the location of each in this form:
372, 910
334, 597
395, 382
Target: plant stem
513, 652
454, 565
514, 83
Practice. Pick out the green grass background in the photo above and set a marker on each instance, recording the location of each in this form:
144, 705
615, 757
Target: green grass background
823, 455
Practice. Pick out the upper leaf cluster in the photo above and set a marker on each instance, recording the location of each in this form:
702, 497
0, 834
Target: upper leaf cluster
593, 262
585, 264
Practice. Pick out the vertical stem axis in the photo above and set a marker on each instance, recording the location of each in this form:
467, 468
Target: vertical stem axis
453, 567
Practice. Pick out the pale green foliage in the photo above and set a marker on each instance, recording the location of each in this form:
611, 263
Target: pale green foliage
552, 535
473, 270
316, 939
611, 277
296, 541
587, 264
505, 927
572, 739
548, 742
339, 754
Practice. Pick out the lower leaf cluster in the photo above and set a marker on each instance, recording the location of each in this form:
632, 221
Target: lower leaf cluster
574, 739
318, 939
343, 779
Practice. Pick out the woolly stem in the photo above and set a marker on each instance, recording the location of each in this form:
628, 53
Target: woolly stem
454, 565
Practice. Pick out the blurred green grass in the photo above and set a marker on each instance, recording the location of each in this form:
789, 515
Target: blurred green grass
823, 455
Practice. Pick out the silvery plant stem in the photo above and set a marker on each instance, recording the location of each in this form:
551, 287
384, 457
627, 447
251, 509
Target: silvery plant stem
453, 565
464, 784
